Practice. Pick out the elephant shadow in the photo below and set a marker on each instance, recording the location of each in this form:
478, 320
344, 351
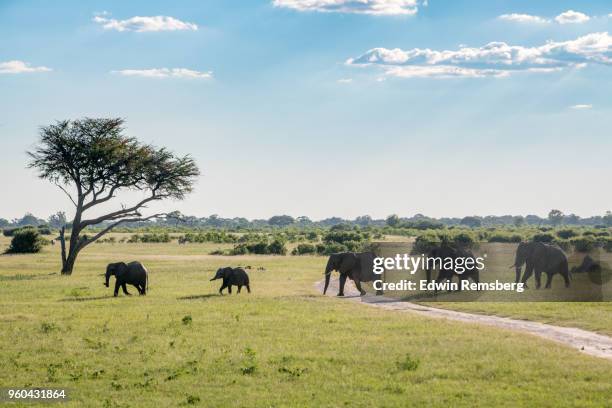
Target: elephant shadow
85, 299
197, 297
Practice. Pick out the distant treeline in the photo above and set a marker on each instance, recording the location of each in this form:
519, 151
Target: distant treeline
418, 221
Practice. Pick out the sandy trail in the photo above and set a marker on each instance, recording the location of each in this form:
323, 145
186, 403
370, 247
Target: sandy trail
585, 341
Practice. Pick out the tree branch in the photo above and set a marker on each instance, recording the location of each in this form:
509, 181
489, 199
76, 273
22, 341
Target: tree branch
120, 213
88, 241
67, 193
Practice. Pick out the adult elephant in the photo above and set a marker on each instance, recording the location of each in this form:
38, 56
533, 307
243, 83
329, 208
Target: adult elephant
357, 266
446, 270
540, 258
133, 273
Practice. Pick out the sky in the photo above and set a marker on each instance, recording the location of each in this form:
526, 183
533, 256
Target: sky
325, 107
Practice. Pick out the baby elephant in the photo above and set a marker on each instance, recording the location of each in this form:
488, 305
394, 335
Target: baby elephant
133, 273
232, 277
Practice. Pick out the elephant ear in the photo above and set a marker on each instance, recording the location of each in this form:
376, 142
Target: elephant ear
348, 263
120, 269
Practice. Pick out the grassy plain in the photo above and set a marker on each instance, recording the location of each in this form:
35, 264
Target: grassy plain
284, 345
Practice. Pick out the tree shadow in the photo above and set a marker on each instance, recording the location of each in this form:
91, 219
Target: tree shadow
18, 277
196, 297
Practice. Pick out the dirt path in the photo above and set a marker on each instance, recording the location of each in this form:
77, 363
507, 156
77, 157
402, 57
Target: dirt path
585, 341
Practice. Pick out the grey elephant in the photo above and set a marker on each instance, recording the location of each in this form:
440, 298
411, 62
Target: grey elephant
540, 258
588, 265
445, 251
133, 273
358, 266
232, 277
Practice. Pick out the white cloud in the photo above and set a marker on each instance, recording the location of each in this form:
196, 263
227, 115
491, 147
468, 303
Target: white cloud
373, 7
496, 59
572, 17
345, 80
143, 24
581, 106
20, 67
165, 73
523, 18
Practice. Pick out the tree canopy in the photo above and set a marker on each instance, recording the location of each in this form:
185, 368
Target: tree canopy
92, 160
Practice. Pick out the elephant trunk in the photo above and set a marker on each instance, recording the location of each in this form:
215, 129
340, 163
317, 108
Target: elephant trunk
328, 270
107, 276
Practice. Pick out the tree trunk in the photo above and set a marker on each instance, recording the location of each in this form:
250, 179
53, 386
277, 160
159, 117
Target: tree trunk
68, 264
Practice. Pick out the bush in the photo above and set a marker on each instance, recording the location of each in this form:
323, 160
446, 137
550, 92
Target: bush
583, 244
464, 240
503, 237
150, 238
425, 242
566, 233
277, 247
9, 232
544, 237
26, 241
331, 248
342, 236
608, 245
304, 249
564, 244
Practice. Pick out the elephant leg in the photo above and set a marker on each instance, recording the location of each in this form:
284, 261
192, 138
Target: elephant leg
549, 277
239, 287
342, 283
229, 289
117, 286
358, 286
248, 288
538, 279
566, 279
428, 275
518, 275
124, 287
140, 290
221, 290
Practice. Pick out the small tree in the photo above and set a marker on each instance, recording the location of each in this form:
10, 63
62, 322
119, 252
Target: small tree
94, 159
472, 222
393, 220
607, 219
555, 217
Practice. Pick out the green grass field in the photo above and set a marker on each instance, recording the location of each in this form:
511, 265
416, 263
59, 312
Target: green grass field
284, 345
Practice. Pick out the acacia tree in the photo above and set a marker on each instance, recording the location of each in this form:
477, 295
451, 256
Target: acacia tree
91, 160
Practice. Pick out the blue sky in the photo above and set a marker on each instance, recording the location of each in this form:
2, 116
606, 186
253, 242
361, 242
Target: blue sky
326, 107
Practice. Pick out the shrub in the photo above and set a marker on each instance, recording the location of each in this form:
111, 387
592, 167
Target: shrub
150, 238
342, 236
312, 236
303, 249
26, 240
608, 245
257, 248
408, 363
583, 244
566, 233
276, 247
503, 237
425, 242
331, 248
543, 237
464, 239
9, 232
44, 230
564, 244
239, 249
